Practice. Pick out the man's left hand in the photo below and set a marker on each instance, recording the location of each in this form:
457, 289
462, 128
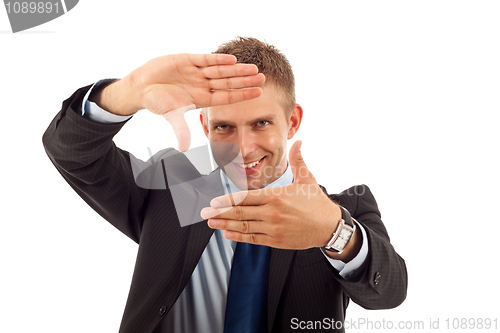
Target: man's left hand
297, 216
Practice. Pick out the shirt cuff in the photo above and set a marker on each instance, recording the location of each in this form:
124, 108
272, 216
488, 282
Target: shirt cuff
94, 112
348, 270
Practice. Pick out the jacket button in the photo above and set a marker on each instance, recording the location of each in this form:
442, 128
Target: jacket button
163, 310
376, 280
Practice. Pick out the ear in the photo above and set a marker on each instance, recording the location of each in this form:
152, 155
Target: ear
295, 121
204, 120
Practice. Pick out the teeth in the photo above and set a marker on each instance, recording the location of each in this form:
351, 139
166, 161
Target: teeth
248, 166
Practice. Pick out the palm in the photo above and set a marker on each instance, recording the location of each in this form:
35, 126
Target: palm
176, 81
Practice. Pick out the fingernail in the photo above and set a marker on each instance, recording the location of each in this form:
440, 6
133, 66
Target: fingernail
229, 234
215, 204
214, 223
206, 213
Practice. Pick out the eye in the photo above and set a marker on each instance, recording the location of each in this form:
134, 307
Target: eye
262, 123
221, 127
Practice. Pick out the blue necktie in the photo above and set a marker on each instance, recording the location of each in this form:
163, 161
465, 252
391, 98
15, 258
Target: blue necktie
246, 309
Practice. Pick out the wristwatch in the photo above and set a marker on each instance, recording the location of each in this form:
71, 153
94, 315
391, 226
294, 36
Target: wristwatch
343, 234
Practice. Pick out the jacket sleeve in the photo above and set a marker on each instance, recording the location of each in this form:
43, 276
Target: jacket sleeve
84, 153
382, 281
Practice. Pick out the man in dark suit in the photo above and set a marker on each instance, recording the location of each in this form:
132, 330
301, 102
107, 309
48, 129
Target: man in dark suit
322, 249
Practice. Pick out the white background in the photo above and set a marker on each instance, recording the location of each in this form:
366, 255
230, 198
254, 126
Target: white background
400, 95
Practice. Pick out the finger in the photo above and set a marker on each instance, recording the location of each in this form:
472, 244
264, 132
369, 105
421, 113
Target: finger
247, 198
260, 239
181, 129
301, 173
243, 198
245, 227
205, 60
237, 82
222, 71
239, 213
223, 97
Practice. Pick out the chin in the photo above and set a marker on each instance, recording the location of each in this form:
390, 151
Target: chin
254, 184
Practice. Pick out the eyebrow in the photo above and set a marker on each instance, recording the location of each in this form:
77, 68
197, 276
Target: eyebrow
267, 117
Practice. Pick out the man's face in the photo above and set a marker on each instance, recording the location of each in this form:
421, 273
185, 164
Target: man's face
260, 129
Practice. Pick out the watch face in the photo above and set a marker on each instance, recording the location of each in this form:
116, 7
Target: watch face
344, 237
345, 233
340, 243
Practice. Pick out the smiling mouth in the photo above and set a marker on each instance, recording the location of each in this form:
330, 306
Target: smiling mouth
249, 165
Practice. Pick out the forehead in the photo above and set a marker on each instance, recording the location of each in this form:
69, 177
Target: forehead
266, 106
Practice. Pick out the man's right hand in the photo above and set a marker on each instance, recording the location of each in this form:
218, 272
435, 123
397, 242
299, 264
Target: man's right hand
177, 83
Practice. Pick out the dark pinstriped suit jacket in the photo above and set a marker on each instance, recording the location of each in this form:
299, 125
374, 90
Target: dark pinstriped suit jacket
302, 284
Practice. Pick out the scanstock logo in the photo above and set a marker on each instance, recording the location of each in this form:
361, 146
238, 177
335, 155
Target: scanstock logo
28, 14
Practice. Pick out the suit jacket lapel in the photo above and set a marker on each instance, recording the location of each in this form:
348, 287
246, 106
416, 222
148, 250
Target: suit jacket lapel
199, 236
278, 272
199, 233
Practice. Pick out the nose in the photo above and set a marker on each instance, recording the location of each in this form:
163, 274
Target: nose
246, 142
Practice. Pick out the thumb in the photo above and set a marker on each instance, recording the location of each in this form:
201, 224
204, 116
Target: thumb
299, 167
181, 129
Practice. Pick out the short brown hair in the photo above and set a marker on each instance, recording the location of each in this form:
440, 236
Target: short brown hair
270, 61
